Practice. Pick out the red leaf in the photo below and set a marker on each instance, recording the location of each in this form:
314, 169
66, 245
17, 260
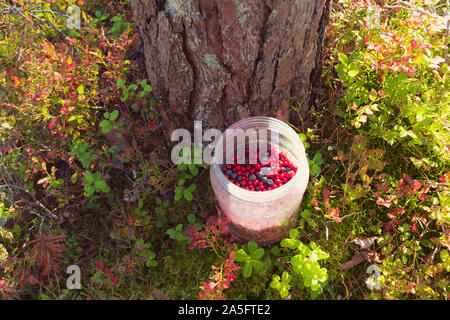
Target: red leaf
152, 127
334, 213
407, 178
416, 185
43, 180
32, 280
113, 279
385, 202
326, 195
315, 203
52, 124
99, 264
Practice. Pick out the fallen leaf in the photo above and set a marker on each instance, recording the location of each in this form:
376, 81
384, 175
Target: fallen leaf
357, 259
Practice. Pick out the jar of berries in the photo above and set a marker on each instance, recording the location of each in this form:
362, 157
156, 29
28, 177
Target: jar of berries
259, 175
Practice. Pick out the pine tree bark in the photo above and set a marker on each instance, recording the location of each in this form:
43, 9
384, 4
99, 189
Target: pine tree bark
223, 60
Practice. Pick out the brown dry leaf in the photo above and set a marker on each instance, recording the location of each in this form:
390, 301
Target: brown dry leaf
356, 259
9, 291
45, 252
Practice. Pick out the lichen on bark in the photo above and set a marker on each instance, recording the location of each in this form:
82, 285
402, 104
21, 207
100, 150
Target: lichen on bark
221, 60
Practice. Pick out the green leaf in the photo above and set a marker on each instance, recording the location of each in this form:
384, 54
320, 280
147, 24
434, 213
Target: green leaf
192, 187
241, 256
177, 196
257, 254
297, 262
322, 275
290, 243
286, 277
188, 195
193, 169
171, 233
74, 178
114, 115
275, 250
147, 88
88, 190
305, 213
252, 246
89, 177
284, 290
353, 69
180, 237
191, 218
315, 169
106, 126
125, 97
120, 83
353, 72
275, 284
342, 58
97, 175
318, 158
151, 263
102, 185
315, 284
247, 270
293, 233
133, 87
72, 118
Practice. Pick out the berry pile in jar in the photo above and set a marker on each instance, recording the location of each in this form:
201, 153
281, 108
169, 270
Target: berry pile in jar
272, 170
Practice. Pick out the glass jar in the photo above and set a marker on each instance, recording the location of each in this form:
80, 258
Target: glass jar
267, 216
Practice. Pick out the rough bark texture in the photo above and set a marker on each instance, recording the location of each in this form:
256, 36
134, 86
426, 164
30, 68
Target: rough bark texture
223, 60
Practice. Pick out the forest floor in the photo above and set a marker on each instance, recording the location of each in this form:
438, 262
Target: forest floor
373, 224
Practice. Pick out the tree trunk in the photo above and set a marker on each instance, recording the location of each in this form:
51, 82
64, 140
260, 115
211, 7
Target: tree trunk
223, 60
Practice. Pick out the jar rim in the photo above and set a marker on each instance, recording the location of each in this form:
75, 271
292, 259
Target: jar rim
302, 173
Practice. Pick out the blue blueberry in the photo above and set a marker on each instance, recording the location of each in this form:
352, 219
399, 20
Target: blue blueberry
252, 177
263, 159
228, 172
233, 175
